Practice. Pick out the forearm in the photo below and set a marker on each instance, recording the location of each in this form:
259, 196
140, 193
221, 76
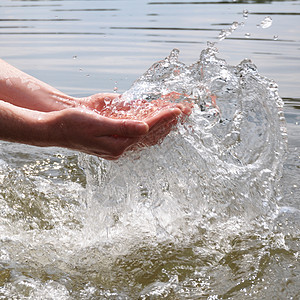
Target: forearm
23, 90
25, 126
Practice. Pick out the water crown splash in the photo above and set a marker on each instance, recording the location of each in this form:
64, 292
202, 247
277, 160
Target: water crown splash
224, 162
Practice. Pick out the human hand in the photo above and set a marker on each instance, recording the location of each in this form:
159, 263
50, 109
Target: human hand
86, 131
98, 125
161, 115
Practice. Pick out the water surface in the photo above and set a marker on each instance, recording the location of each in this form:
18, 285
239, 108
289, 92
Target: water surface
73, 227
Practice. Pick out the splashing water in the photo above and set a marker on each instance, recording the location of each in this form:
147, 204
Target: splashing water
266, 22
245, 13
227, 32
223, 162
167, 221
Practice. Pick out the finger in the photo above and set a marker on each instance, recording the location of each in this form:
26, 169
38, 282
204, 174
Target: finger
124, 127
165, 115
158, 132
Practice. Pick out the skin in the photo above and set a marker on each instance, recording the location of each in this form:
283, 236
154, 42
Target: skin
33, 112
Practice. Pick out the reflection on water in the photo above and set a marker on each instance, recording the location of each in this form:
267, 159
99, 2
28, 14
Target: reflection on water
201, 216
126, 36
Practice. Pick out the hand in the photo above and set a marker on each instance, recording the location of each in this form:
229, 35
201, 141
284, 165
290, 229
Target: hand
86, 131
33, 112
161, 115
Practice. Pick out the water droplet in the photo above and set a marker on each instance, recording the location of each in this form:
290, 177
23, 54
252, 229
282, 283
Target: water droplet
116, 87
266, 22
173, 57
222, 34
226, 32
87, 75
234, 25
247, 35
245, 13
275, 37
74, 56
80, 70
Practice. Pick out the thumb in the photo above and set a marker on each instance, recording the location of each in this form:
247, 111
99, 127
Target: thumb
126, 128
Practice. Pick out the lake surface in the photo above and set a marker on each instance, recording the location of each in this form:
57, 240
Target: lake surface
66, 231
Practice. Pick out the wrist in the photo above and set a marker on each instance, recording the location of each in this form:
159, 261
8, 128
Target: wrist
59, 101
25, 126
49, 129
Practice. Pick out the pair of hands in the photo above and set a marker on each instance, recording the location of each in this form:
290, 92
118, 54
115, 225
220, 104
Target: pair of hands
100, 126
35, 113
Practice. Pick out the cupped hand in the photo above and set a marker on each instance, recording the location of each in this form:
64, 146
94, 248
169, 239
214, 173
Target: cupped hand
161, 115
86, 131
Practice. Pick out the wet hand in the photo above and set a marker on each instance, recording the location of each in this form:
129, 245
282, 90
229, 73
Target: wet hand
161, 115
86, 131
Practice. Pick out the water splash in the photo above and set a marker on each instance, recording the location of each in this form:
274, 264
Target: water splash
224, 162
266, 22
227, 32
172, 219
245, 13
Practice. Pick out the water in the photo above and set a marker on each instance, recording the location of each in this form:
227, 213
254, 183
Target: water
213, 211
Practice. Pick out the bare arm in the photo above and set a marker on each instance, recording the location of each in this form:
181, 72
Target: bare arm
33, 112
21, 89
74, 128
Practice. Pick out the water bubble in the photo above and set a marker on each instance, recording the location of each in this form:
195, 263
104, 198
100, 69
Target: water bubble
245, 13
275, 37
74, 56
266, 22
247, 35
80, 70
